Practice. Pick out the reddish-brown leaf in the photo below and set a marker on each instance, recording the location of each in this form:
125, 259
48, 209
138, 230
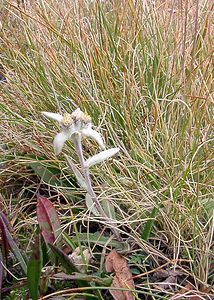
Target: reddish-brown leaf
48, 220
4, 223
8, 241
123, 277
189, 287
4, 241
4, 226
170, 276
1, 271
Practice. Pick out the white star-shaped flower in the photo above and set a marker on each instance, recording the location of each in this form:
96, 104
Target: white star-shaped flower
76, 123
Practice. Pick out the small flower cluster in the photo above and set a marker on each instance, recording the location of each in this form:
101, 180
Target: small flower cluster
78, 123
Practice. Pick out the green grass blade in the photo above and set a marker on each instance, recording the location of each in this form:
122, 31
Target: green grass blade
149, 224
34, 268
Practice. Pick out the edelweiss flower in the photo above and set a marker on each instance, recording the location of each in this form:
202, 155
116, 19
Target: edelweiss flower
75, 123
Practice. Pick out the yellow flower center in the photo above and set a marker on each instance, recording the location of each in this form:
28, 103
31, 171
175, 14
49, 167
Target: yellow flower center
67, 119
78, 115
86, 118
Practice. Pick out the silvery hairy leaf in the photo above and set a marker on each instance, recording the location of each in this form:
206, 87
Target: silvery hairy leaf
100, 157
91, 205
77, 173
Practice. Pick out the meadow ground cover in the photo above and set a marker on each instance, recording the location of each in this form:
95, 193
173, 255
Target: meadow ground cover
143, 72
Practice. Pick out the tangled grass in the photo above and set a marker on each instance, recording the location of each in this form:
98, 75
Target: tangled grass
144, 72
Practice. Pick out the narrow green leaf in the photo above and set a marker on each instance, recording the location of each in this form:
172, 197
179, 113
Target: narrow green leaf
69, 266
14, 248
64, 259
90, 278
149, 224
9, 242
91, 205
96, 238
34, 268
69, 241
44, 249
208, 204
108, 208
46, 174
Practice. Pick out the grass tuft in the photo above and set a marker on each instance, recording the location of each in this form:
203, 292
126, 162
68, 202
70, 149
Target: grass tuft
144, 73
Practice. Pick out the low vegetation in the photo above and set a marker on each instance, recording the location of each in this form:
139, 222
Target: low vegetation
143, 73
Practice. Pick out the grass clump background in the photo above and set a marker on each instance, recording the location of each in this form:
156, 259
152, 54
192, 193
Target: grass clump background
144, 72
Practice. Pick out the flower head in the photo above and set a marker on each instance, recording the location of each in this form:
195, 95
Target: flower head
77, 122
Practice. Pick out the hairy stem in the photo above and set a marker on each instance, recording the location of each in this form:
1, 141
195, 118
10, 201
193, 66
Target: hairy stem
86, 174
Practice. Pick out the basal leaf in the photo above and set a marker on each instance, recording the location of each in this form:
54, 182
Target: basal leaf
1, 272
69, 266
91, 205
64, 259
96, 238
48, 220
9, 242
15, 249
34, 268
4, 241
85, 277
68, 240
79, 177
6, 221
46, 174
108, 208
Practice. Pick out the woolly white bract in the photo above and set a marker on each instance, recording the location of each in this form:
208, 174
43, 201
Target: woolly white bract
75, 123
100, 157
